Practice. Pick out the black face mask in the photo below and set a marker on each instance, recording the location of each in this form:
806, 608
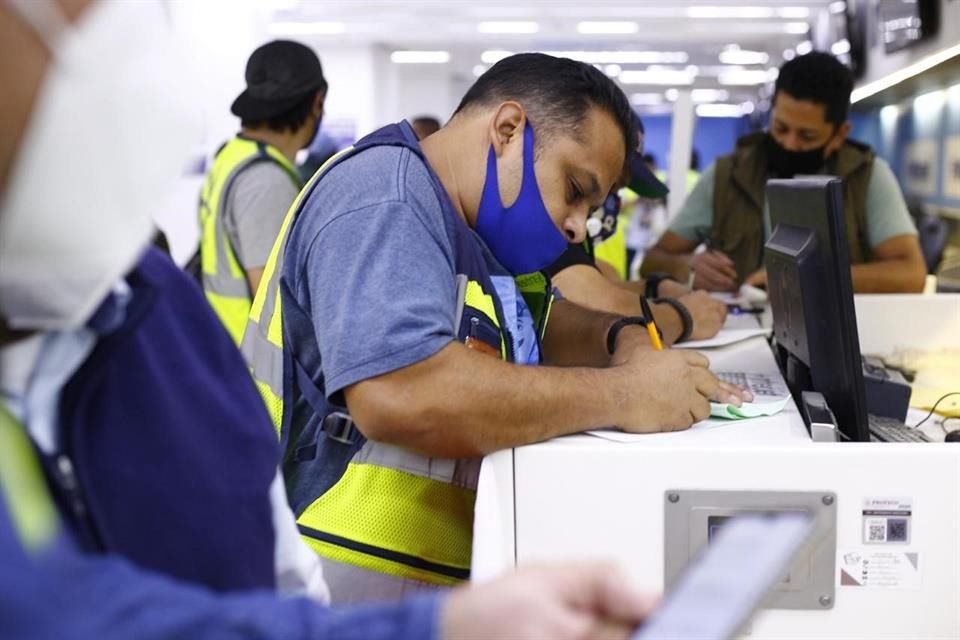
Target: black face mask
786, 164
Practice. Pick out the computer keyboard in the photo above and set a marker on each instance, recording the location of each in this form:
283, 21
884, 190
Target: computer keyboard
883, 429
761, 385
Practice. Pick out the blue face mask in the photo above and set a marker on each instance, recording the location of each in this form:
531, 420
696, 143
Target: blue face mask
522, 237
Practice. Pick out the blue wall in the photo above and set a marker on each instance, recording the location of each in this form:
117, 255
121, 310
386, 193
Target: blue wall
912, 123
712, 137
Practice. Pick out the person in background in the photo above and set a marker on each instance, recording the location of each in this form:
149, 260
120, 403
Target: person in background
727, 209
409, 291
648, 220
137, 465
320, 150
424, 126
254, 179
592, 275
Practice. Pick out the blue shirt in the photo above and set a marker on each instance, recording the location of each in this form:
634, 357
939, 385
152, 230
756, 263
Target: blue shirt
371, 259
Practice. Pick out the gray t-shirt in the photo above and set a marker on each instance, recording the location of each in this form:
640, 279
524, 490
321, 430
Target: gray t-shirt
886, 215
256, 205
369, 259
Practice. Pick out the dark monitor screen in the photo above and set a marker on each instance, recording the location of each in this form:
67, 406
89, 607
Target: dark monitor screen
811, 297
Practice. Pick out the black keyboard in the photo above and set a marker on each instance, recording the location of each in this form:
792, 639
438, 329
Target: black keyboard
883, 429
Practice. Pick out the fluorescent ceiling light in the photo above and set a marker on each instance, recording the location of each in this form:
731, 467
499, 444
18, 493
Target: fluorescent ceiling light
797, 28
840, 47
837, 7
709, 95
493, 56
518, 26
747, 76
618, 27
905, 73
646, 99
671, 94
420, 57
612, 70
804, 48
736, 55
719, 111
730, 12
793, 13
748, 12
658, 77
789, 54
622, 57
320, 28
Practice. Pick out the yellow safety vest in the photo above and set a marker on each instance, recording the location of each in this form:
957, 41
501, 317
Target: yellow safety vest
224, 278
613, 250
23, 487
392, 511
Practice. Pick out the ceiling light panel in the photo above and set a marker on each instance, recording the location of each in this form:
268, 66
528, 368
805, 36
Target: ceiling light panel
608, 27
509, 27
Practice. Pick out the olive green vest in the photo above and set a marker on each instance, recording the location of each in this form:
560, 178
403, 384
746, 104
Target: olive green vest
738, 199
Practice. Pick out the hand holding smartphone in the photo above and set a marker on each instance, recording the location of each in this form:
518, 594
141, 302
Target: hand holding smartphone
729, 579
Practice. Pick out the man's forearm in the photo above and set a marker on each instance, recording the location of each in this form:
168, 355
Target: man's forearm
888, 276
460, 403
659, 259
577, 336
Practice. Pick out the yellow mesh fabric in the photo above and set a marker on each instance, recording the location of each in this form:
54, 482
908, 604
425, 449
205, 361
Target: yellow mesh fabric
475, 298
273, 402
397, 511
233, 312
380, 565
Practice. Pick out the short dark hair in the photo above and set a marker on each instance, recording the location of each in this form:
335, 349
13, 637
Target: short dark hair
821, 78
555, 92
290, 120
426, 121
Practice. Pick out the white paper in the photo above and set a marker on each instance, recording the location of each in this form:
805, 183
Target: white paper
746, 296
725, 337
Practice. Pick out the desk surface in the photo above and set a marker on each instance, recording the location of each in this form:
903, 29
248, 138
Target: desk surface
584, 496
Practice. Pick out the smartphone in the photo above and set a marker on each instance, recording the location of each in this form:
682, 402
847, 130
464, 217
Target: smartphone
729, 579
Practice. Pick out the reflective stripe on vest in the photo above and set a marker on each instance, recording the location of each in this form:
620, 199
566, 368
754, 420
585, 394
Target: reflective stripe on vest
392, 511
224, 278
24, 487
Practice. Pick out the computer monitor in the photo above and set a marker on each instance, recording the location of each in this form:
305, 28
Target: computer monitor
811, 297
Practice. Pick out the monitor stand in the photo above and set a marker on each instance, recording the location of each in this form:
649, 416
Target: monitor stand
821, 423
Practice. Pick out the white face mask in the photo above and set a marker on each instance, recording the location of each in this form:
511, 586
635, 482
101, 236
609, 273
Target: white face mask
107, 138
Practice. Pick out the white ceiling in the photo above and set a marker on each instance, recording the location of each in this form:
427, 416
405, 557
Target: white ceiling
701, 29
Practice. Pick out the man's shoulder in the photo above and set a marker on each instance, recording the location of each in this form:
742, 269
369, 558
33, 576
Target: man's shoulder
378, 175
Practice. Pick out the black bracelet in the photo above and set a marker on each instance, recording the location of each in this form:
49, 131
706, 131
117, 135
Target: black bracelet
617, 326
651, 288
685, 318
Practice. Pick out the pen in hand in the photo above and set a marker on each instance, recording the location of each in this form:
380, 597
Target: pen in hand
651, 325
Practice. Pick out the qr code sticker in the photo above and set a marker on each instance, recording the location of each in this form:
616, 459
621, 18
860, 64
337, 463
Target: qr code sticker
896, 529
877, 532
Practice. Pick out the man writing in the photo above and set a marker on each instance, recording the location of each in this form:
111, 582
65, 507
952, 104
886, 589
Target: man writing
404, 297
727, 210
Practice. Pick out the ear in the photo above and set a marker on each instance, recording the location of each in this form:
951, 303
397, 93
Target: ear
506, 126
838, 138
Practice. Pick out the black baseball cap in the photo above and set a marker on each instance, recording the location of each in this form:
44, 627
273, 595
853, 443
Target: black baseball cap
279, 75
642, 181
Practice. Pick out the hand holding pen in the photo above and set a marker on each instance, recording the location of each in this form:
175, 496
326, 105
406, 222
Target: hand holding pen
712, 270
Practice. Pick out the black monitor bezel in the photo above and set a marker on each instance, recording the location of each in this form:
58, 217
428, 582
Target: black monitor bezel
832, 366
